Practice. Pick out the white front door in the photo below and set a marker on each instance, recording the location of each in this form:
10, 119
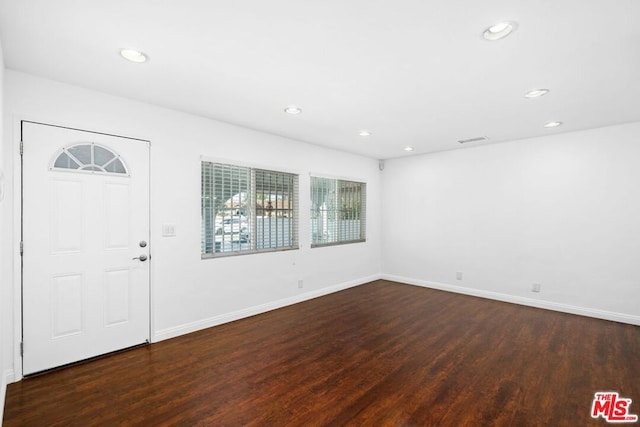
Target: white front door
86, 245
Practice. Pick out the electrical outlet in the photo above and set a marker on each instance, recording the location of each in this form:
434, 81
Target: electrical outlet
458, 275
300, 284
535, 287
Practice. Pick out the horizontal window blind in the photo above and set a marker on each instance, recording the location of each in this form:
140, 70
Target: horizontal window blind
276, 221
246, 210
338, 211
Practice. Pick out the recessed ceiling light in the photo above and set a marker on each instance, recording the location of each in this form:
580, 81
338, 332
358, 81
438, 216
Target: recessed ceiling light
499, 31
536, 93
133, 55
552, 124
364, 133
408, 148
292, 109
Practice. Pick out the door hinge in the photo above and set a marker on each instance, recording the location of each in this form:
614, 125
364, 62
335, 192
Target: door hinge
21, 248
21, 148
22, 349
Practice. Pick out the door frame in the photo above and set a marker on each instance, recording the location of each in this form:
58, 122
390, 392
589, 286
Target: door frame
17, 196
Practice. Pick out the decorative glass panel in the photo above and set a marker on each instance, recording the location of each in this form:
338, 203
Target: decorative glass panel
65, 162
115, 167
101, 155
90, 158
82, 153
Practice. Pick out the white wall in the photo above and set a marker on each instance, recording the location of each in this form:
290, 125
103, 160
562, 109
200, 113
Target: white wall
189, 293
562, 211
5, 366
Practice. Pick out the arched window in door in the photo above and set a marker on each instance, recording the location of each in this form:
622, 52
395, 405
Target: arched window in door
89, 157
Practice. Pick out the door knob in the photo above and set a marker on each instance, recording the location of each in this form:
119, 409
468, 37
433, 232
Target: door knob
142, 257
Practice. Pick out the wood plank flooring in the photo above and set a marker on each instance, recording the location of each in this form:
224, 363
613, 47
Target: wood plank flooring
378, 354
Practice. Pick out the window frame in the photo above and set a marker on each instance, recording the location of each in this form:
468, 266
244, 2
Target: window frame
255, 241
338, 212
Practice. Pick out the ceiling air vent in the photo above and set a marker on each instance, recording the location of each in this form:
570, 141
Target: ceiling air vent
476, 139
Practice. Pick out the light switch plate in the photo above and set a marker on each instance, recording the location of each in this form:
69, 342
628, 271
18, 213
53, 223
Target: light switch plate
168, 230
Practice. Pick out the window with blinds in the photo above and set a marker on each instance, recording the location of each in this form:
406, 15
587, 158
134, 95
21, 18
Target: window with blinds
246, 210
338, 211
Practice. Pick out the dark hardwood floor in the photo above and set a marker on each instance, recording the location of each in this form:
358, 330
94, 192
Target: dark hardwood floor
378, 354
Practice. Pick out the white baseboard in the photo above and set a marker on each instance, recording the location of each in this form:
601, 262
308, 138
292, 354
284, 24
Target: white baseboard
252, 311
548, 305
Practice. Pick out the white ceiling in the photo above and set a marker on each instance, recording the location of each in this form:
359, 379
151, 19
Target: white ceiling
413, 72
